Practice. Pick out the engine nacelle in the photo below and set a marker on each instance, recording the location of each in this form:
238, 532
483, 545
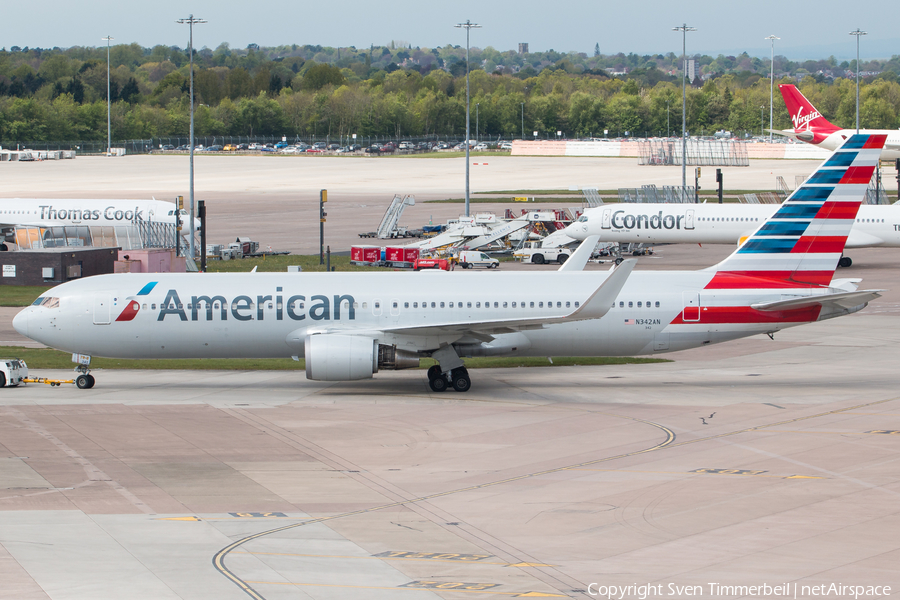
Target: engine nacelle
331, 357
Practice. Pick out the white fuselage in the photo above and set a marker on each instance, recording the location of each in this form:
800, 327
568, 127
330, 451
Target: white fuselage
46, 212
270, 314
713, 223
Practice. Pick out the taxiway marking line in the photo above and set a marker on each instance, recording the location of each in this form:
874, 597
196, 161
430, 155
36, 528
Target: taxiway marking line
412, 589
456, 562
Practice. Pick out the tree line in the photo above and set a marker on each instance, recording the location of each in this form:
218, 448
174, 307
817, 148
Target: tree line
316, 92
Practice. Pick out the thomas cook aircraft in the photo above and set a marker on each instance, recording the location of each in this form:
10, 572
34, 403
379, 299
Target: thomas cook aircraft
875, 225
47, 215
349, 326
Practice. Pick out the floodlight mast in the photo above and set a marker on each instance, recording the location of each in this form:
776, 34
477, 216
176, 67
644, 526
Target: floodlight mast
772, 84
107, 39
468, 25
684, 29
857, 33
190, 22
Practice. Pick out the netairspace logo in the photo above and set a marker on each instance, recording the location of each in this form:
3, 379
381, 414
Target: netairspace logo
719, 590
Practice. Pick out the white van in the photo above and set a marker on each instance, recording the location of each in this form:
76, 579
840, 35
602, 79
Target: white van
474, 258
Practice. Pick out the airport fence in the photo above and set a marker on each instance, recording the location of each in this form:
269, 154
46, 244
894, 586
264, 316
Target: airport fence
650, 194
704, 153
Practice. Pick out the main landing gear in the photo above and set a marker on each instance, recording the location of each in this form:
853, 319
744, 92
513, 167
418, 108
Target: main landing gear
845, 261
458, 379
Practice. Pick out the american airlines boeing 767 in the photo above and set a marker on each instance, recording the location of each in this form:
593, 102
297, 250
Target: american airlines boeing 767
349, 326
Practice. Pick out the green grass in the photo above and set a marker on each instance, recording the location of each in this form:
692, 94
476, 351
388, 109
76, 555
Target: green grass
308, 262
20, 295
47, 358
568, 200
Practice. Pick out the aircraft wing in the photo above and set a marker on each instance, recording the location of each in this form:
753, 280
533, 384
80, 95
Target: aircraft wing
841, 300
581, 255
595, 307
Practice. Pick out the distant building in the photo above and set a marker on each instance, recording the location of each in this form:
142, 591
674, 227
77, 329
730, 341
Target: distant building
523, 48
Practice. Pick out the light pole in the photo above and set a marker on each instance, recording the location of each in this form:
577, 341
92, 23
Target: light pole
771, 84
523, 120
857, 33
468, 25
761, 126
190, 22
108, 100
684, 29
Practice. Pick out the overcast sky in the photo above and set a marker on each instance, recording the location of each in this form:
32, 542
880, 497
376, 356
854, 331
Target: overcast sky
807, 30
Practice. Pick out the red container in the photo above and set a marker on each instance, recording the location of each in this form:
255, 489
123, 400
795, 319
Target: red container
393, 254
410, 254
356, 253
371, 254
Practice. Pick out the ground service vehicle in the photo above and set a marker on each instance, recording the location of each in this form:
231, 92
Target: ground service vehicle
536, 253
475, 258
12, 372
431, 263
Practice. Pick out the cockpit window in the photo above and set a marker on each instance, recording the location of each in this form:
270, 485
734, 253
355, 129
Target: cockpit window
582, 219
46, 302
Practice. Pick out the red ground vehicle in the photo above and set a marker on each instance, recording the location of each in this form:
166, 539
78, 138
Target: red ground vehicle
432, 263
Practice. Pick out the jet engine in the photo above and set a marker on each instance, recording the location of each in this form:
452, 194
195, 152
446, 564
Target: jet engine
334, 357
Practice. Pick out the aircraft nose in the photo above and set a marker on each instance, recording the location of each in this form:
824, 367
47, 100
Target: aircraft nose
20, 322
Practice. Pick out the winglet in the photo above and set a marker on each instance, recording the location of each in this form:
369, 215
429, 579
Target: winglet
581, 255
599, 303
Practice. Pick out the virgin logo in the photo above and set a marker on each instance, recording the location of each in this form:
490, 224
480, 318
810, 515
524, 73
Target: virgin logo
802, 121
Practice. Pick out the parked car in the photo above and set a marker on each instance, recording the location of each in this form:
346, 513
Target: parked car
254, 146
406, 146
480, 147
280, 145
167, 147
373, 149
333, 147
213, 148
243, 147
229, 148
319, 145
506, 146
314, 150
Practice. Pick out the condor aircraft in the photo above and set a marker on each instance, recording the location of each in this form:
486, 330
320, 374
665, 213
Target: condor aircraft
349, 326
811, 127
875, 225
42, 213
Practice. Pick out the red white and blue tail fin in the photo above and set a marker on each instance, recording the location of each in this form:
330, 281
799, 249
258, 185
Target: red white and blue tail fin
801, 244
804, 115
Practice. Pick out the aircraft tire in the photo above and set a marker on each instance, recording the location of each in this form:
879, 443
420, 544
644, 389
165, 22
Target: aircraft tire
845, 261
461, 381
91, 381
3, 247
562, 258
619, 261
438, 384
2, 380
434, 371
82, 382
537, 259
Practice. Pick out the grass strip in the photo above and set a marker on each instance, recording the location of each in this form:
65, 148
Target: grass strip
48, 358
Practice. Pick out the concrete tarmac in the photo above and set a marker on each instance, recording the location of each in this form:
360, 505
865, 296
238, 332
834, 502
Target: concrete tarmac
755, 462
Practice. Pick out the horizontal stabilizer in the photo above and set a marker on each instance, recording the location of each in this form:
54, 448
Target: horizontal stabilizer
842, 300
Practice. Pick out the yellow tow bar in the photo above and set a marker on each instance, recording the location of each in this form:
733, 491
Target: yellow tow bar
50, 382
